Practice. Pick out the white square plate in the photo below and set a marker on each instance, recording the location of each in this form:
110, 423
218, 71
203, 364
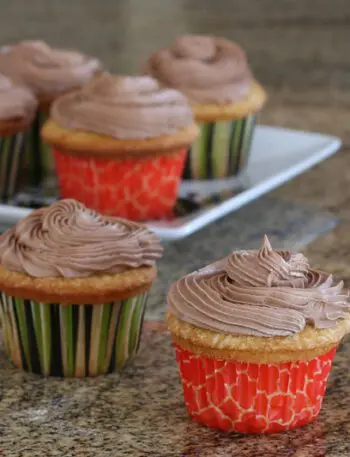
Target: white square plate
277, 156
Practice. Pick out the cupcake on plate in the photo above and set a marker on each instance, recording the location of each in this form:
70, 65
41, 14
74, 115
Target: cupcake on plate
214, 75
255, 335
73, 289
17, 110
49, 73
120, 145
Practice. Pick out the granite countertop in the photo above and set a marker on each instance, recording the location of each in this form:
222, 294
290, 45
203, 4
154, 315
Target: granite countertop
141, 414
299, 51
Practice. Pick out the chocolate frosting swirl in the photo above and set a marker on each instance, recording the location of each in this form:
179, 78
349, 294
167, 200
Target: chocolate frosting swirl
46, 70
206, 69
123, 107
67, 239
15, 102
259, 293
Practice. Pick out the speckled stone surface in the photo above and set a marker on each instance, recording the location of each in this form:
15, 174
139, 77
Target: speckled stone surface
141, 414
299, 49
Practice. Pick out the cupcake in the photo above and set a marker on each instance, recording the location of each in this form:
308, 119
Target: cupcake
255, 335
17, 110
73, 289
49, 73
120, 145
214, 75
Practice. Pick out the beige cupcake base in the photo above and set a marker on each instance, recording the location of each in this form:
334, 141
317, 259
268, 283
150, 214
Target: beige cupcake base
306, 345
83, 143
94, 289
251, 104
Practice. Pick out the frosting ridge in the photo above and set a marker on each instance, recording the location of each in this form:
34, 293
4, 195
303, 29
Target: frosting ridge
123, 107
259, 293
15, 102
46, 70
69, 240
206, 69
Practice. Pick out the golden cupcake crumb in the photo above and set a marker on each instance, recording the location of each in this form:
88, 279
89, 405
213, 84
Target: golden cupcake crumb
305, 345
96, 289
82, 143
252, 103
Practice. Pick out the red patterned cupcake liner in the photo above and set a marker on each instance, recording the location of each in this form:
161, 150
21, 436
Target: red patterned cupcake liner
137, 189
250, 397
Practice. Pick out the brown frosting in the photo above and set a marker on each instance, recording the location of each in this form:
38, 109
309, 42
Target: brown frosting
46, 70
123, 107
206, 69
67, 239
15, 102
259, 293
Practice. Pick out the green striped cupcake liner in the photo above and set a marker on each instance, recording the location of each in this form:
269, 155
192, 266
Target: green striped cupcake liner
71, 340
11, 158
221, 150
39, 158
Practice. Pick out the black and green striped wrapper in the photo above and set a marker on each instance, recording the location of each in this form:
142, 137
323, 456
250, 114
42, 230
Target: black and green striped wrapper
71, 340
39, 158
221, 150
11, 162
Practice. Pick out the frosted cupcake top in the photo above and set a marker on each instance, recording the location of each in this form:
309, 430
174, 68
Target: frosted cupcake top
123, 107
15, 102
206, 69
69, 240
46, 70
259, 293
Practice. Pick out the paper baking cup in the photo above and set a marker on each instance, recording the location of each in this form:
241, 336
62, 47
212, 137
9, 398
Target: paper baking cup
71, 340
253, 398
221, 150
11, 159
39, 158
137, 189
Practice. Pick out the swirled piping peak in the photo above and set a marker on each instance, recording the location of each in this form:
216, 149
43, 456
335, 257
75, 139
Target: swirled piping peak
206, 69
259, 292
69, 240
